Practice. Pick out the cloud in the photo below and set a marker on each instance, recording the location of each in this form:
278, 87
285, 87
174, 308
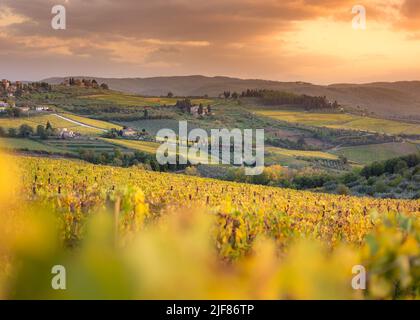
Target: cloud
410, 17
256, 38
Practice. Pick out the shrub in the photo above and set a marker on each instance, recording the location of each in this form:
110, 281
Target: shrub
380, 186
12, 132
192, 171
343, 190
25, 130
396, 181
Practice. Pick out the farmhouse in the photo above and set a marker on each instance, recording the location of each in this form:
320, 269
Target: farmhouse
66, 134
24, 109
128, 132
42, 108
194, 110
5, 84
199, 110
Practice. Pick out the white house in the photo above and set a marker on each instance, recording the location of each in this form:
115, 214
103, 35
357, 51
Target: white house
42, 108
128, 132
24, 109
2, 109
66, 134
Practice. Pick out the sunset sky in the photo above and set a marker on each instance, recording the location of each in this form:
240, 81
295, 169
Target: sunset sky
286, 40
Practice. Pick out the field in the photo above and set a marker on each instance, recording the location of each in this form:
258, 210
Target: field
19, 144
55, 121
130, 233
301, 153
60, 146
92, 122
133, 100
377, 152
294, 158
341, 121
76, 145
153, 126
144, 146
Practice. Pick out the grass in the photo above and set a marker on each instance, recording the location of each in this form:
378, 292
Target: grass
92, 122
286, 157
134, 100
18, 143
377, 152
301, 153
154, 125
144, 146
55, 121
74, 145
341, 121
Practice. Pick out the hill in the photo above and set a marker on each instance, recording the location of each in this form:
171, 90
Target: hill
400, 100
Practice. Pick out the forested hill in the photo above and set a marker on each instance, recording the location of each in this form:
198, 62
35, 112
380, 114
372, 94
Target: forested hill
396, 99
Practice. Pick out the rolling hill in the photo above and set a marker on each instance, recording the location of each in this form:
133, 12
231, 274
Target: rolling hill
399, 100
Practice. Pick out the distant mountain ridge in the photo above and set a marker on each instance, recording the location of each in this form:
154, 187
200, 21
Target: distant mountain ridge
400, 100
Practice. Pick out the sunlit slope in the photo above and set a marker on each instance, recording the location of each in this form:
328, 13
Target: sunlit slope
377, 152
56, 122
342, 121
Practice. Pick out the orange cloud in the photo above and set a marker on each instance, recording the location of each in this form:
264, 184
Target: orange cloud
309, 40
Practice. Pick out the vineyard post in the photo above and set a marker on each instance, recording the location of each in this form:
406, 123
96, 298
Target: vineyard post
117, 207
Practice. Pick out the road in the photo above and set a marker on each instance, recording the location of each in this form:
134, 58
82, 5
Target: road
78, 123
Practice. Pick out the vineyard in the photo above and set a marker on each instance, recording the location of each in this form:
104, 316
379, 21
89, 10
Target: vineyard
131, 233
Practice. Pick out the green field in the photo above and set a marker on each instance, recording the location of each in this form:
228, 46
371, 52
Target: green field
296, 158
55, 121
341, 121
76, 145
144, 146
72, 146
134, 100
18, 144
153, 126
377, 152
301, 153
92, 122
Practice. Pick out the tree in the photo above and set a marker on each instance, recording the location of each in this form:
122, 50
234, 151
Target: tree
41, 132
400, 166
226, 94
235, 95
117, 153
170, 94
145, 114
104, 86
48, 126
14, 112
343, 159
301, 141
25, 130
2, 132
12, 132
343, 190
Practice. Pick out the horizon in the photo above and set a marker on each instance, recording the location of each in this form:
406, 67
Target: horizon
207, 76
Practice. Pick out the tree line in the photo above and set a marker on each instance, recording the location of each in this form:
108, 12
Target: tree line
26, 131
274, 97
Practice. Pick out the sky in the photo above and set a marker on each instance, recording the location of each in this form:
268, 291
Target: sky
286, 40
